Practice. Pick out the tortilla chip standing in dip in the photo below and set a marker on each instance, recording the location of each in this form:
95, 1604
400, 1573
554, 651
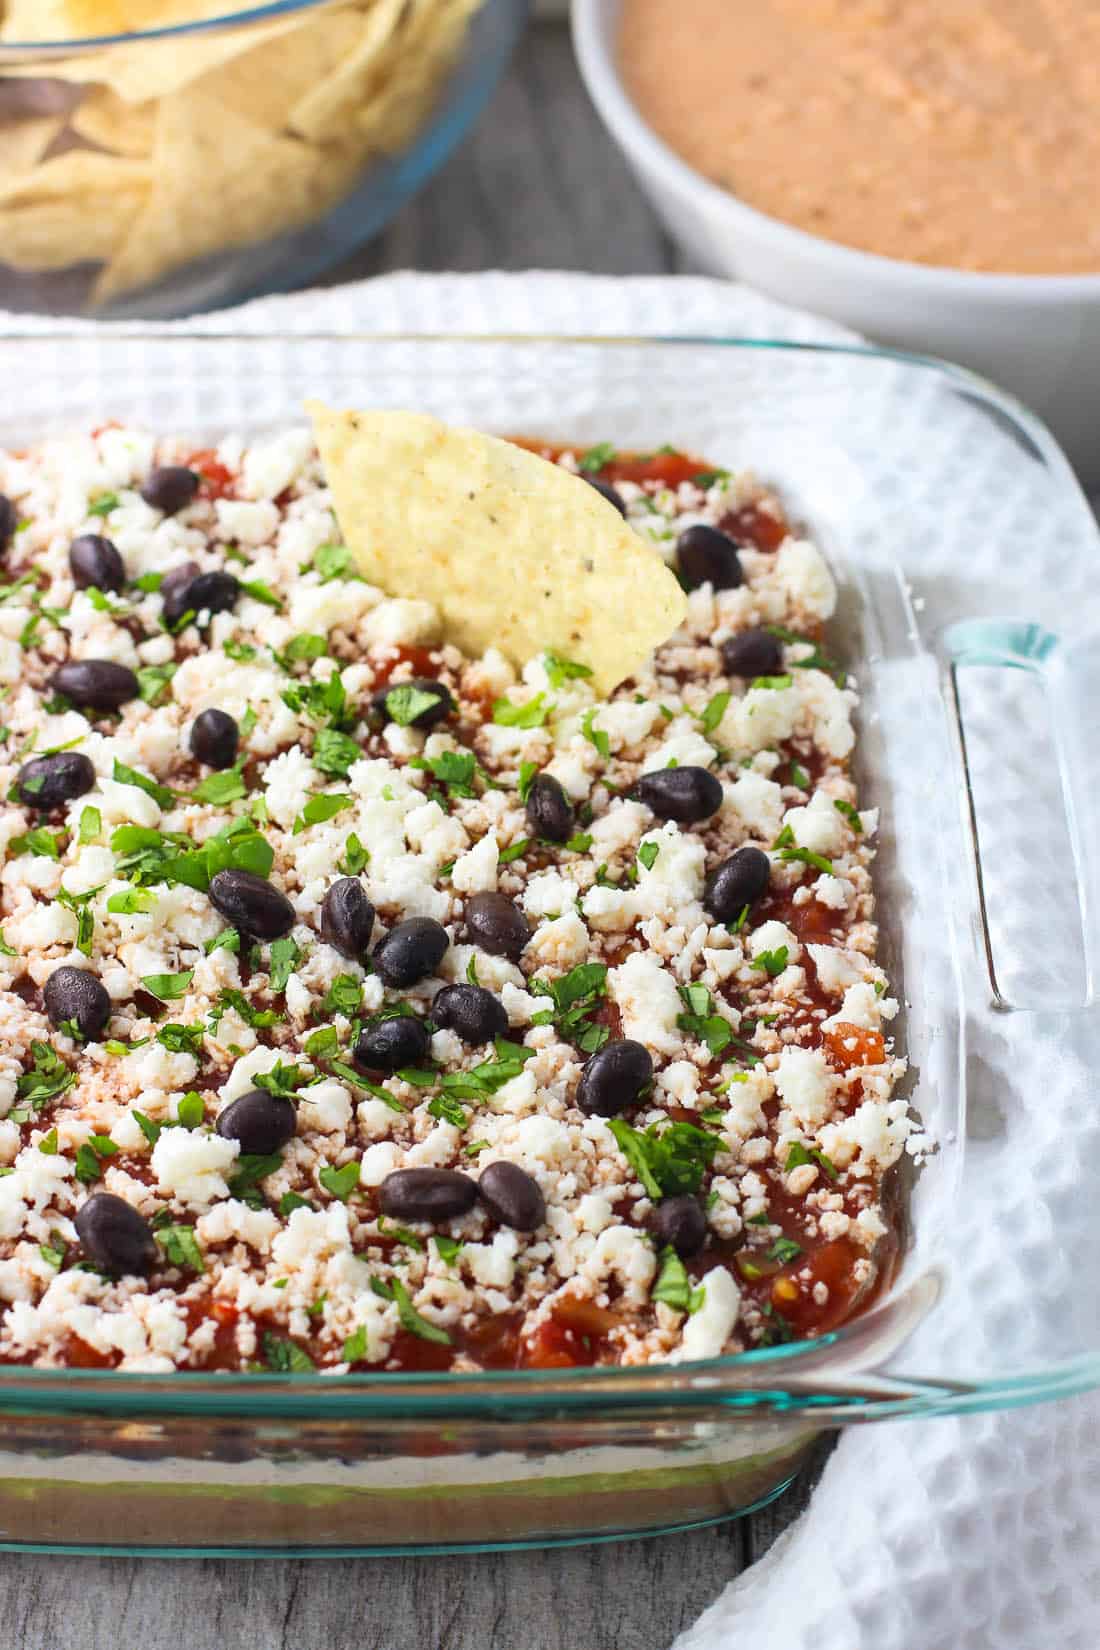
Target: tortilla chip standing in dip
516, 552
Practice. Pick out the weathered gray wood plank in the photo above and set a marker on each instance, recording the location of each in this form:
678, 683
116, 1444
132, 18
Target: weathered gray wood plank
538, 186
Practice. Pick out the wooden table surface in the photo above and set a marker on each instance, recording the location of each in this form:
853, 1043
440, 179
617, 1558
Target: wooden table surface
538, 186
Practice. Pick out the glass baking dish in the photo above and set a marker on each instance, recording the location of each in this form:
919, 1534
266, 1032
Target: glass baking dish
970, 612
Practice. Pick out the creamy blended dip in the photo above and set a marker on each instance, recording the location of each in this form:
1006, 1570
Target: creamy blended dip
963, 133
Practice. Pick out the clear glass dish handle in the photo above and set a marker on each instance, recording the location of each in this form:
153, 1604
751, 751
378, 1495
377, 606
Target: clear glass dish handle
1018, 696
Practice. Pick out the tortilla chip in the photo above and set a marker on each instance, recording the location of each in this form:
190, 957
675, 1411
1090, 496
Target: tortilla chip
267, 82
219, 181
516, 552
122, 128
327, 109
23, 143
73, 209
395, 112
146, 70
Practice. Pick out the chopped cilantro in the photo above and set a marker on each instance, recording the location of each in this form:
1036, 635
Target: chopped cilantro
400, 1234
322, 1044
595, 736
669, 1164
48, 1077
776, 682
799, 777
527, 774
283, 959
706, 479
286, 1357
219, 789
331, 561
798, 1154
291, 1201
79, 905
356, 857
180, 1039
597, 458
90, 1155
91, 824
647, 854
771, 962
342, 997
103, 504
281, 1079
261, 592
129, 902
302, 649
180, 1247
714, 711
320, 808
149, 1129
168, 987
6, 950
448, 1248
515, 850
560, 670
48, 1144
814, 660
355, 1347
702, 1022
340, 1183
804, 856
531, 714
41, 842
850, 814
334, 752
447, 1110
578, 844
454, 769
130, 776
406, 702
153, 681
784, 1250
250, 1170
673, 1286
574, 997
227, 940
409, 1317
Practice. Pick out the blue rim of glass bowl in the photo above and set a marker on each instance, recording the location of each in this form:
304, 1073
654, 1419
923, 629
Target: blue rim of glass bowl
246, 17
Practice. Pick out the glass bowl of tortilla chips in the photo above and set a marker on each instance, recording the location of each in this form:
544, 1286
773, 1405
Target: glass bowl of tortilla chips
160, 157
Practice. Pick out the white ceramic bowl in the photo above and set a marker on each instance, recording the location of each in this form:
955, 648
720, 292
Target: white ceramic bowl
1037, 336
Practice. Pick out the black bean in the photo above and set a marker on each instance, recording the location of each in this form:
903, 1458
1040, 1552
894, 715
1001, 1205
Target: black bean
426, 1194
96, 563
611, 494
613, 1079
73, 994
47, 781
549, 810
214, 592
399, 1041
738, 881
170, 488
411, 950
679, 1222
496, 924
426, 718
114, 1236
101, 684
178, 577
471, 1012
347, 917
686, 795
708, 556
753, 653
513, 1196
9, 521
262, 1122
252, 904
214, 739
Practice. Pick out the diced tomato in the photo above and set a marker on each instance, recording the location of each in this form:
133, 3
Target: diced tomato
849, 1046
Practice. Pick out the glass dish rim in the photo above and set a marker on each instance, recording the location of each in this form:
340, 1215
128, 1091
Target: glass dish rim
702, 1382
243, 17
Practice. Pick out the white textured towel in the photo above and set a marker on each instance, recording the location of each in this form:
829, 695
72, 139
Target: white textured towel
980, 1532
